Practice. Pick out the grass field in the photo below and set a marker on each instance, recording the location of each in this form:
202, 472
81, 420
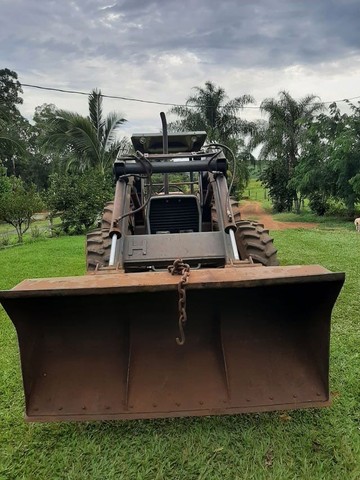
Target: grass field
313, 444
255, 191
338, 218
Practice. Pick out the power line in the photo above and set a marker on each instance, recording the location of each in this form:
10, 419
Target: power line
153, 102
342, 100
103, 95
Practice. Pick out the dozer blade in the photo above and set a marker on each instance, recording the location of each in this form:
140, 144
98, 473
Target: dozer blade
103, 346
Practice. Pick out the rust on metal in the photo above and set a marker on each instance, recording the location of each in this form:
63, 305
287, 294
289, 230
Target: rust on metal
161, 281
183, 269
258, 340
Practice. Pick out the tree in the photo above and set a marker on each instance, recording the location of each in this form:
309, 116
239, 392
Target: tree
209, 109
10, 88
275, 178
344, 158
18, 203
312, 176
5, 184
9, 141
86, 142
330, 162
11, 144
16, 133
282, 138
79, 198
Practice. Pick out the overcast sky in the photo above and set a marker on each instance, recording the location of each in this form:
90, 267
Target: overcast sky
159, 50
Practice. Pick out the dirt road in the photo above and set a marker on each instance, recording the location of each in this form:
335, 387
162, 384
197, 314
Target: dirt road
251, 210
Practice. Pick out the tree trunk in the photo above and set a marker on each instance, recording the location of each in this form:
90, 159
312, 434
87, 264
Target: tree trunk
19, 233
297, 203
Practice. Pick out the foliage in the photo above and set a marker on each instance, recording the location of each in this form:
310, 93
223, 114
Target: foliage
344, 156
209, 109
79, 198
86, 142
281, 140
19, 150
275, 178
355, 184
330, 163
5, 185
11, 143
11, 121
4, 239
18, 203
10, 90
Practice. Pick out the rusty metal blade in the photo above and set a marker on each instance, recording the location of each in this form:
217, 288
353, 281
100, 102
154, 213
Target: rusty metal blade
103, 346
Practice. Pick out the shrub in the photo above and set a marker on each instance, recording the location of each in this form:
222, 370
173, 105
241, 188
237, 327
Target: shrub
318, 203
35, 232
18, 204
78, 198
4, 240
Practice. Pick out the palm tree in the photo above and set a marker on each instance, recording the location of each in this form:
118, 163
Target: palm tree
283, 135
86, 142
209, 109
11, 145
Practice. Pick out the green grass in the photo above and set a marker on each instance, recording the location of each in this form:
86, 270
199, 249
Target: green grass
314, 444
255, 191
9, 232
332, 222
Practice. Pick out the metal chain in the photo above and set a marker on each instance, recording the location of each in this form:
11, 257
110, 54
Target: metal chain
183, 269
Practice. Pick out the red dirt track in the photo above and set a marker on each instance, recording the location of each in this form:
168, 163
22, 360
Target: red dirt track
254, 211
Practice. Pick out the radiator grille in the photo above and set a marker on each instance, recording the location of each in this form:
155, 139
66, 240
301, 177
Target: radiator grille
173, 214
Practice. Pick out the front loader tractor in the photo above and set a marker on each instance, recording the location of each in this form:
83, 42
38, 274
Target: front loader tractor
184, 310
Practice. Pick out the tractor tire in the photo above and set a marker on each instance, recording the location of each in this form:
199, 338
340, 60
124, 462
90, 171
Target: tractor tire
235, 209
107, 216
98, 245
254, 241
98, 242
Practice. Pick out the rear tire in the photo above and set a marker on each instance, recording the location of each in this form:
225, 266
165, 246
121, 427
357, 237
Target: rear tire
235, 210
98, 242
98, 246
254, 241
107, 216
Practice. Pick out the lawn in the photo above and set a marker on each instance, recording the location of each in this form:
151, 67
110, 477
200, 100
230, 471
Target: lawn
337, 218
256, 192
313, 444
38, 228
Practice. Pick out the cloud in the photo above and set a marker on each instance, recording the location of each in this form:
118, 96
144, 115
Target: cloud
160, 49
269, 33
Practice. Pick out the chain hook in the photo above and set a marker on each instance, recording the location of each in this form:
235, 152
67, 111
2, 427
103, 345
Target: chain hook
183, 269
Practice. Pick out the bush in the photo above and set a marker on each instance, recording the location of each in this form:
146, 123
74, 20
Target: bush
18, 203
337, 208
35, 232
318, 204
79, 198
4, 240
275, 178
